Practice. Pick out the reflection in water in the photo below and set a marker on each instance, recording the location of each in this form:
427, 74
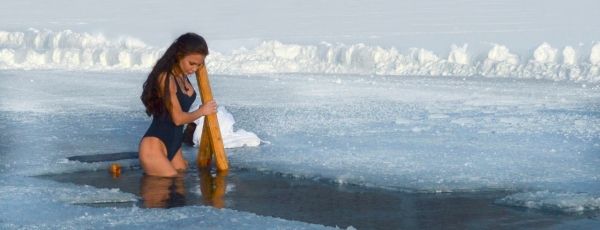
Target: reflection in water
213, 188
162, 192
319, 202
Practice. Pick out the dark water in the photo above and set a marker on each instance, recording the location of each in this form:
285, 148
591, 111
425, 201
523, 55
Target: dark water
318, 202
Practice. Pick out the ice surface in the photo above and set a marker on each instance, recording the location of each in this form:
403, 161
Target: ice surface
417, 134
70, 193
414, 134
558, 201
425, 135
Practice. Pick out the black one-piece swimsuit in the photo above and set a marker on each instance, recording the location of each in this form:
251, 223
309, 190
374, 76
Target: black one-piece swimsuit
164, 129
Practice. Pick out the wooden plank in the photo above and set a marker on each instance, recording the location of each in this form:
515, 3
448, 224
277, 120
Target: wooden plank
213, 124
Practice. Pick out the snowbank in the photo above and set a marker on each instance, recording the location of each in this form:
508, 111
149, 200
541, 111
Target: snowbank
45, 49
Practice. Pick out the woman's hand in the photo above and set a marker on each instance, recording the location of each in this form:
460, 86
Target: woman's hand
208, 108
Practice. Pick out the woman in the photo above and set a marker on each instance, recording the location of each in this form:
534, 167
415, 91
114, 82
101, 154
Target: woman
167, 96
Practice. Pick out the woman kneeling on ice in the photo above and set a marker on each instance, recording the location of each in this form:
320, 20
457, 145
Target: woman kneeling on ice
167, 96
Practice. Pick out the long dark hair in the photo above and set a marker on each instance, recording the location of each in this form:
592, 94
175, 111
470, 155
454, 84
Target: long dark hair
185, 44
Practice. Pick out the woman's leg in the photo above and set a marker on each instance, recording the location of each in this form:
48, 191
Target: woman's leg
153, 158
178, 162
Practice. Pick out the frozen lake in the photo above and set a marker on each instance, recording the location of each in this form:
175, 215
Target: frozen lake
535, 141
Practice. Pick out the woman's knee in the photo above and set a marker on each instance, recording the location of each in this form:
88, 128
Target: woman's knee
181, 168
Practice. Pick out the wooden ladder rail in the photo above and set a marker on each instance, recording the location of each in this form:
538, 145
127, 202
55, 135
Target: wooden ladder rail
211, 142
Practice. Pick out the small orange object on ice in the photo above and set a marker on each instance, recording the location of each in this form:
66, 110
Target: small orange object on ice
115, 169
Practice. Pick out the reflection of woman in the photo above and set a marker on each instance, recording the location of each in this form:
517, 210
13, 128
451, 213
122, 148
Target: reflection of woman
162, 192
167, 96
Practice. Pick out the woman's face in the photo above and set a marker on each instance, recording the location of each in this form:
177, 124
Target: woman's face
190, 63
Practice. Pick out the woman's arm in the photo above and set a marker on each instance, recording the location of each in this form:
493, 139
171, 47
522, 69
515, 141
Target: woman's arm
179, 116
